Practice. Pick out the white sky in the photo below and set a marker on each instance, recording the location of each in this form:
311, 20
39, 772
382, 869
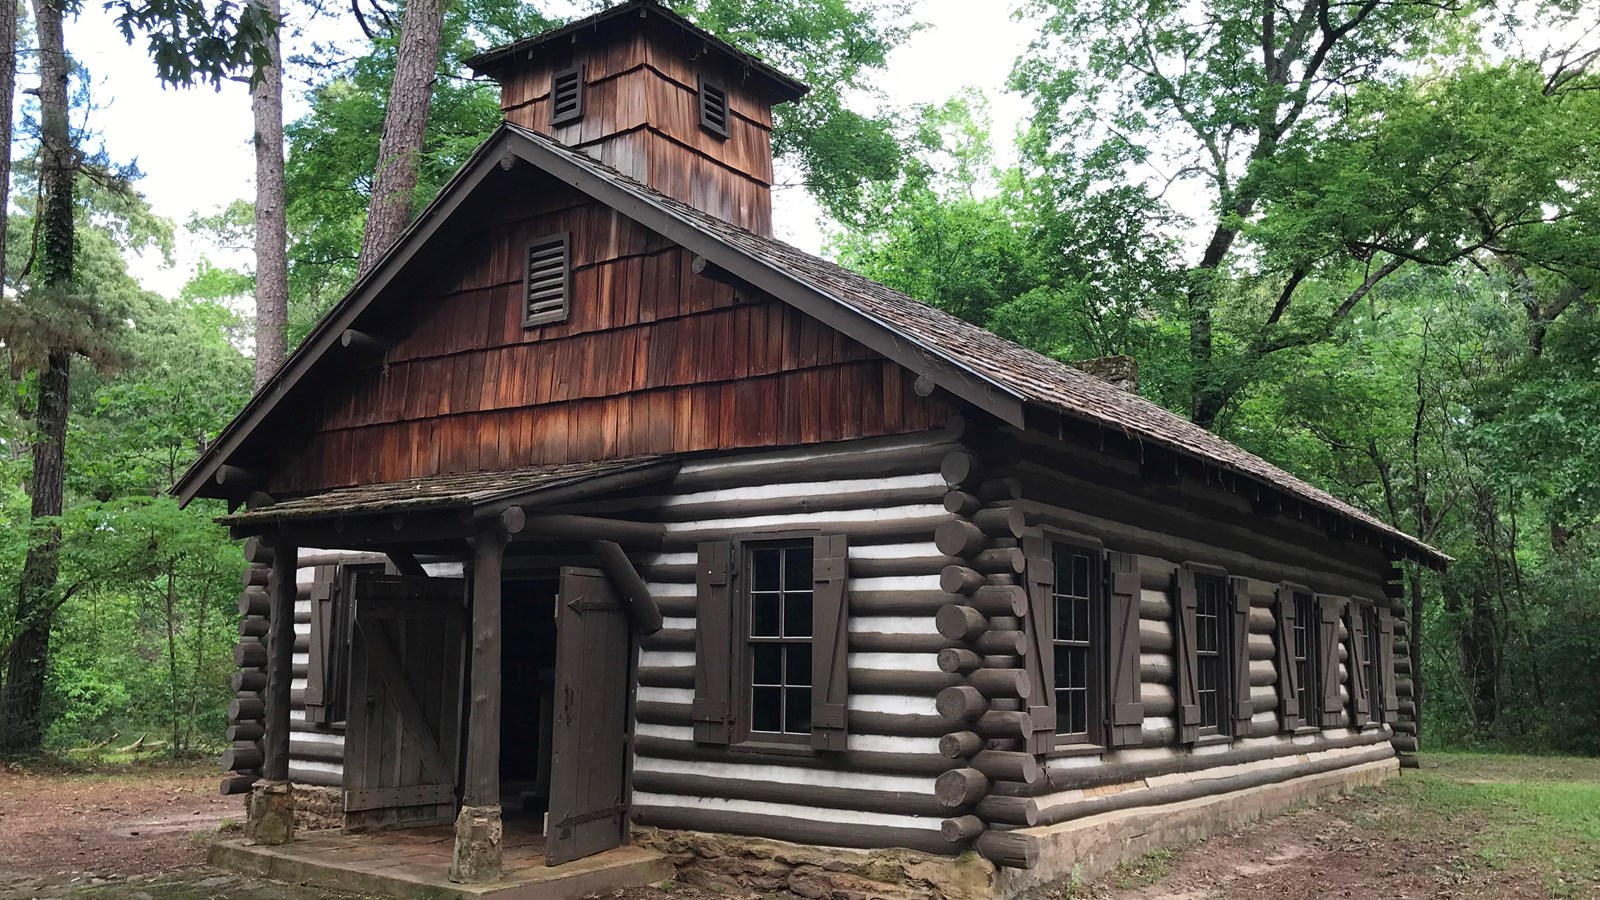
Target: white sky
194, 145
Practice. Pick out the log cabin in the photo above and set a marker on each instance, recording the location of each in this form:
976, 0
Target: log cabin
635, 520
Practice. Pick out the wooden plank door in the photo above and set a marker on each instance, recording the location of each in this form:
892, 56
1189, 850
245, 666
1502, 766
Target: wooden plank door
588, 768
403, 730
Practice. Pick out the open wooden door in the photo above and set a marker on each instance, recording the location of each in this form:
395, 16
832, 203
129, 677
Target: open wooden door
402, 735
588, 769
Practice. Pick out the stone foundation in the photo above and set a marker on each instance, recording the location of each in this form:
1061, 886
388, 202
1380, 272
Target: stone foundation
477, 857
317, 808
270, 819
743, 867
1078, 850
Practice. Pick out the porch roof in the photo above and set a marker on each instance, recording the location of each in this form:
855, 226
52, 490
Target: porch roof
463, 491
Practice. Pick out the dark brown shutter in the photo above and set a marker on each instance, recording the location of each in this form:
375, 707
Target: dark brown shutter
1185, 659
712, 712
547, 281
1360, 701
1242, 705
829, 642
319, 659
1039, 627
1391, 696
714, 108
1329, 610
1284, 613
1127, 709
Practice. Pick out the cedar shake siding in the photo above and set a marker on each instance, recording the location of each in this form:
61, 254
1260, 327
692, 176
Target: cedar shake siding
652, 359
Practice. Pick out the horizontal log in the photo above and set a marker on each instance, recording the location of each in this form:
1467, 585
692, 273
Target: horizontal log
875, 458
314, 777
848, 761
1183, 791
257, 552
1001, 643
961, 829
250, 655
245, 731
1405, 743
959, 788
1003, 724
1022, 812
960, 538
1001, 683
958, 661
960, 744
256, 576
961, 703
960, 623
590, 528
1000, 600
234, 785
799, 831
1002, 765
1180, 762
960, 469
901, 803
959, 579
1008, 849
961, 503
999, 559
242, 757
246, 709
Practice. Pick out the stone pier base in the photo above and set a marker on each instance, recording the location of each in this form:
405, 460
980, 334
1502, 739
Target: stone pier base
270, 821
479, 834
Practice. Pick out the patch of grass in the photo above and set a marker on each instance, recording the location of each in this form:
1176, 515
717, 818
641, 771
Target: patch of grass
1144, 871
1539, 813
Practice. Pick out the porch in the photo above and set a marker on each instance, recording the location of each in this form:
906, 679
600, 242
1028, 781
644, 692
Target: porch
410, 864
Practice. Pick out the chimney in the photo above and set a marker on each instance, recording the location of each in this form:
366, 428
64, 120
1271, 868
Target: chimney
649, 93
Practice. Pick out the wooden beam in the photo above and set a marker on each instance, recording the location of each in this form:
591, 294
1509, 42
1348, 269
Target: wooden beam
625, 578
636, 534
280, 663
238, 477
406, 564
482, 783
363, 343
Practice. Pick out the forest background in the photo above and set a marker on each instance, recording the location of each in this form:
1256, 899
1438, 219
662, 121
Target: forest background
1358, 238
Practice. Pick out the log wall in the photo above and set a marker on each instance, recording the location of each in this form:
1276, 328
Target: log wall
1007, 485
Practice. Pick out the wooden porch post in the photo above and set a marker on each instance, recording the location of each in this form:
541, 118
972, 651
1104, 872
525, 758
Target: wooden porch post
271, 819
478, 829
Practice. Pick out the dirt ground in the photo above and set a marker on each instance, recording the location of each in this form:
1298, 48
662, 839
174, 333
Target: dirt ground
142, 835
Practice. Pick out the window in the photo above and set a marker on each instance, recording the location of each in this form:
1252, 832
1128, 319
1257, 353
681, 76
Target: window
713, 108
779, 634
1211, 652
1078, 646
566, 96
1306, 656
1370, 669
548, 281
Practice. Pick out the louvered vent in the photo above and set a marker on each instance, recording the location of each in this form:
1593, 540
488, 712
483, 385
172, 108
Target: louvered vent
713, 108
566, 96
549, 282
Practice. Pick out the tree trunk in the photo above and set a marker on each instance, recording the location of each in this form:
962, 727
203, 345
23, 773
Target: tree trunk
405, 123
20, 727
8, 89
272, 243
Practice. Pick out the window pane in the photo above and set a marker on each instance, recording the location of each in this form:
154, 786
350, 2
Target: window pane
797, 715
798, 658
764, 566
768, 663
797, 569
764, 615
1080, 575
766, 709
1063, 667
797, 614
1064, 613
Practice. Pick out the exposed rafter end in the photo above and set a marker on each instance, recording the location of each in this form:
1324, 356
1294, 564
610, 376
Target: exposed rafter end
363, 343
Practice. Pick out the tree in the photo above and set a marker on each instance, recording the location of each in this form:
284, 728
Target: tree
26, 661
405, 125
271, 232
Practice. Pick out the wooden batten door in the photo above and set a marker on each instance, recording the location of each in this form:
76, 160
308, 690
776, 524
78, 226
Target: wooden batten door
403, 726
588, 768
